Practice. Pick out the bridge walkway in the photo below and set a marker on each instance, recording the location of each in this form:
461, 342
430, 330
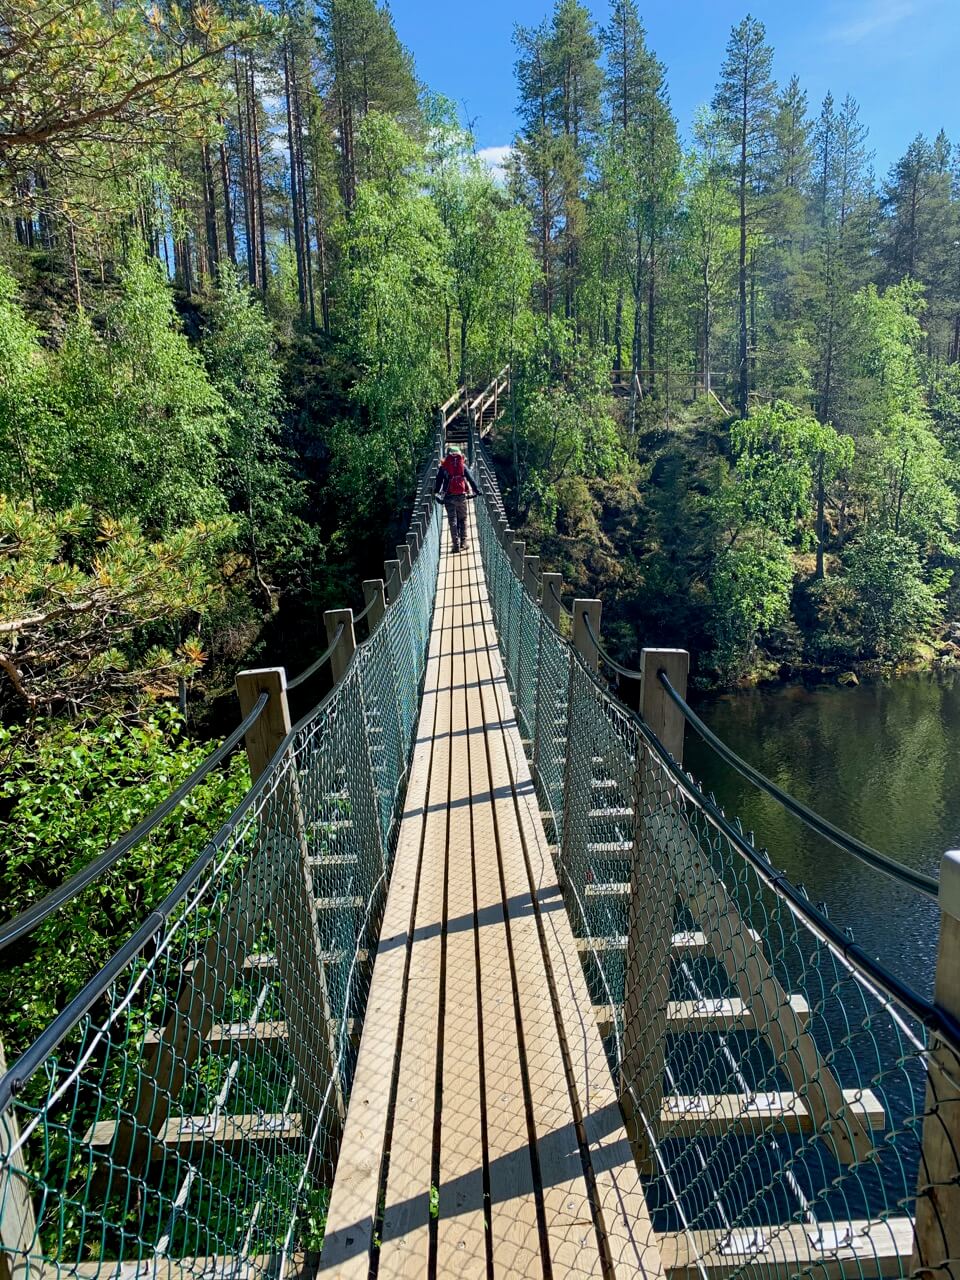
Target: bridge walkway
483, 1136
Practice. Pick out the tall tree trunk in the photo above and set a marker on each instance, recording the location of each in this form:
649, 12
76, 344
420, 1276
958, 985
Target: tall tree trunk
618, 330
210, 213
294, 186
245, 176
821, 522
464, 332
227, 204
74, 264
743, 381
707, 330
753, 320
651, 318
322, 254
304, 201
257, 175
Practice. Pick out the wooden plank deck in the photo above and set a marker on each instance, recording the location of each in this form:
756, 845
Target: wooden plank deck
483, 1136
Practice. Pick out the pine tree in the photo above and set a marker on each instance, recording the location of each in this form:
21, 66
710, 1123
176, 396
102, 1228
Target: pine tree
744, 101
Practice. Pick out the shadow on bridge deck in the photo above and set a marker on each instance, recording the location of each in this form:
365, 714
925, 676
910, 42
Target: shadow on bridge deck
484, 1137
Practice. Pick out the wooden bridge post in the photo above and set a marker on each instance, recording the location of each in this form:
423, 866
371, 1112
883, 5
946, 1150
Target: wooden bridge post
392, 578
18, 1224
583, 642
551, 585
333, 619
413, 540
937, 1226
403, 555
518, 550
652, 902
531, 575
374, 597
311, 1033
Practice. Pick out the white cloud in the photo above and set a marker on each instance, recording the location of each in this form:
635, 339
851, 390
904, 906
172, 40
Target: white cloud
495, 158
874, 17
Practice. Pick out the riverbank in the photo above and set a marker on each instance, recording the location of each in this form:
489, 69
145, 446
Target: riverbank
938, 656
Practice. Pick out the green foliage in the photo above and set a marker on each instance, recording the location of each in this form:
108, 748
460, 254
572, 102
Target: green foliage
562, 426
777, 450
65, 795
882, 606
257, 476
74, 77
124, 421
750, 585
490, 267
394, 281
85, 606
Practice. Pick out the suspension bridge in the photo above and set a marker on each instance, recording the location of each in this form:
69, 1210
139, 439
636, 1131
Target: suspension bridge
477, 981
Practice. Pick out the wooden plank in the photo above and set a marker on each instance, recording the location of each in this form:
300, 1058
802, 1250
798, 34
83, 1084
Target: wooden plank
225, 1129
461, 1233
690, 943
695, 1016
862, 1250
718, 1113
257, 1267
620, 1208
514, 1226
405, 1237
566, 1204
354, 1200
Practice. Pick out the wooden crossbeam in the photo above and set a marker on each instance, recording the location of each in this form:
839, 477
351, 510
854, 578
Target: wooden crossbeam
224, 1129
263, 1267
717, 1113
861, 1249
688, 943
742, 955
704, 1015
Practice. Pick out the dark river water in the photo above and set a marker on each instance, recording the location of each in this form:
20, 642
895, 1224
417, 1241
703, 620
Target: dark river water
882, 761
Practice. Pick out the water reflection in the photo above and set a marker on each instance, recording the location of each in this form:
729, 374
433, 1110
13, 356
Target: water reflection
881, 761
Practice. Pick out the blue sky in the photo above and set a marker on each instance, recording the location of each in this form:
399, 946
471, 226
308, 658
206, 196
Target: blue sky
899, 58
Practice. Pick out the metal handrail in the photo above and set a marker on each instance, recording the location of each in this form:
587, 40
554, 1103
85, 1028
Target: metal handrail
28, 920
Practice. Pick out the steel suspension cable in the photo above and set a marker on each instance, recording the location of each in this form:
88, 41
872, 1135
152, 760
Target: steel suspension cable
28, 920
840, 839
871, 857
314, 667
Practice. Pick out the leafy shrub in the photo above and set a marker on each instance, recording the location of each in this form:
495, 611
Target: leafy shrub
66, 795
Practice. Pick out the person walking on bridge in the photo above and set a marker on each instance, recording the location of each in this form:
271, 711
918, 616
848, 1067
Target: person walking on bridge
453, 477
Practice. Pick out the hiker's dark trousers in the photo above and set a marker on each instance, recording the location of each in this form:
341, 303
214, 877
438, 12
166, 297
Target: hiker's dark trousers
456, 505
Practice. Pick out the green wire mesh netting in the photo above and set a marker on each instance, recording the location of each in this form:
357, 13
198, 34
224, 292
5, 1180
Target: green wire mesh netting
189, 1117
790, 1116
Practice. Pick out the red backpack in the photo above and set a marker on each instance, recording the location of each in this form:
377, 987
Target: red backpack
454, 467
